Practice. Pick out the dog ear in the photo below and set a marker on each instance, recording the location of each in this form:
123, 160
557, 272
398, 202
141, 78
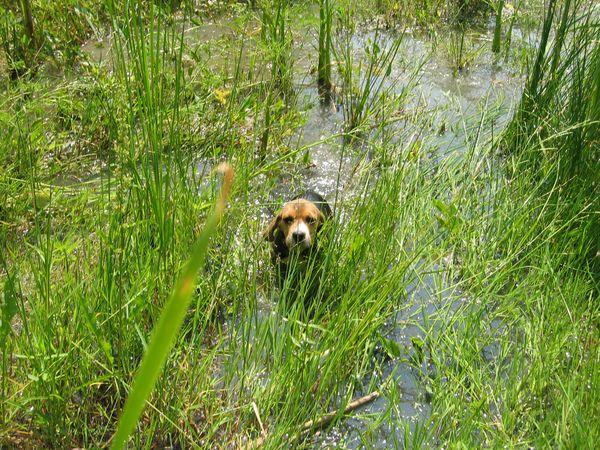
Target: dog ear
269, 233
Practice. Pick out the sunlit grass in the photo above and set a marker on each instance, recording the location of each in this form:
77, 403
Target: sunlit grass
499, 236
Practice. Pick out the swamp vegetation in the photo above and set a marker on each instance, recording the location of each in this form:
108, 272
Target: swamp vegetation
458, 143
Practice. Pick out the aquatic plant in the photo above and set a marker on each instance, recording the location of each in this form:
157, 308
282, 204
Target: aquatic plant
462, 51
511, 26
498, 26
462, 12
364, 81
561, 94
19, 42
34, 32
28, 21
541, 252
278, 43
324, 81
278, 46
170, 321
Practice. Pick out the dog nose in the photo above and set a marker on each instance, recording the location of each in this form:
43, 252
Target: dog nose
298, 236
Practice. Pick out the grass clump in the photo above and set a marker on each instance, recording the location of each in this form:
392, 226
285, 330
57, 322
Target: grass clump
324, 80
35, 31
365, 83
520, 367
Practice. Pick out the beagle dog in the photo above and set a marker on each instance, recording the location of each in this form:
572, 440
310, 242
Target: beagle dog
296, 227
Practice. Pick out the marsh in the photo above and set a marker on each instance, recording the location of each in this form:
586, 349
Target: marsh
456, 144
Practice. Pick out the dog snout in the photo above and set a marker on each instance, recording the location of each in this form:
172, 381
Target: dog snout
298, 236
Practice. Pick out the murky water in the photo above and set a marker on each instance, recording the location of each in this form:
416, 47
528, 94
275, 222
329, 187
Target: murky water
412, 408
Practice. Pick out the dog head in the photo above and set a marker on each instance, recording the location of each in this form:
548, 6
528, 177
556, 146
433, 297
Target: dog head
296, 226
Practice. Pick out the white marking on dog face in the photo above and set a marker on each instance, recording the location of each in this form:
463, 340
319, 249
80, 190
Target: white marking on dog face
299, 227
303, 228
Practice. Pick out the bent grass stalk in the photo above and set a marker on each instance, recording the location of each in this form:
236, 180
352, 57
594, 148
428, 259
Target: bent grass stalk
170, 320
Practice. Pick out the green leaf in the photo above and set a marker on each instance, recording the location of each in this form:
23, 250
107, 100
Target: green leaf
448, 217
392, 348
418, 345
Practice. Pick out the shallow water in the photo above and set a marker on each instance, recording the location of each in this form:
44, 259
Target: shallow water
456, 102
412, 410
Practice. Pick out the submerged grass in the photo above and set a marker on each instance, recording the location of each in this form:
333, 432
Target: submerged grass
366, 83
506, 228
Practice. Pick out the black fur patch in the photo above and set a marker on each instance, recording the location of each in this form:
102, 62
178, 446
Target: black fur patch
279, 250
318, 200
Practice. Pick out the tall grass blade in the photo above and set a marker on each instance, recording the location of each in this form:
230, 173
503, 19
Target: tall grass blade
498, 27
170, 321
537, 72
594, 90
325, 42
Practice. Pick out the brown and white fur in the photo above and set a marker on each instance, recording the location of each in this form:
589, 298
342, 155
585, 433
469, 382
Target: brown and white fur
296, 227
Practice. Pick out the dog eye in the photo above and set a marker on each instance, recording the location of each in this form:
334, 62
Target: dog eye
310, 220
288, 219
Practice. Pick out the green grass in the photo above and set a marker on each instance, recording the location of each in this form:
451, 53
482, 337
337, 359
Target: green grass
169, 322
105, 187
366, 80
324, 79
